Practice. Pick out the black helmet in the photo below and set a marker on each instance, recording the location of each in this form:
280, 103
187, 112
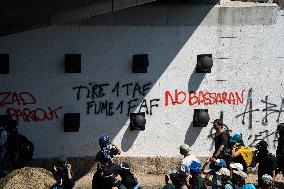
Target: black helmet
104, 141
262, 145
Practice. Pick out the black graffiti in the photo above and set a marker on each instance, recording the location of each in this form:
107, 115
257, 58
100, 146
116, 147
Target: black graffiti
98, 103
110, 108
144, 105
263, 135
92, 91
269, 109
131, 89
250, 111
100, 107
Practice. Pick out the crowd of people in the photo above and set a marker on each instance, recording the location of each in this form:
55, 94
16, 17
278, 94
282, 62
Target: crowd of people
228, 166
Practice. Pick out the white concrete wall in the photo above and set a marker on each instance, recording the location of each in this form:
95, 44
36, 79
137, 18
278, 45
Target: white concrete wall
247, 55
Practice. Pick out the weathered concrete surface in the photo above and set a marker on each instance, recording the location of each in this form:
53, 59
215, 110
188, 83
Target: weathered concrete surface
246, 58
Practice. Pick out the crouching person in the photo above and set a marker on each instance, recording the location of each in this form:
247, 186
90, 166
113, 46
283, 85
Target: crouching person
63, 174
128, 181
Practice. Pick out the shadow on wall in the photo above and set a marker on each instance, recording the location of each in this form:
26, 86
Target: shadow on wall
175, 44
195, 80
173, 39
192, 134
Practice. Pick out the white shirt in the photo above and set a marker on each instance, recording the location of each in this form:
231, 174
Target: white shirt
188, 160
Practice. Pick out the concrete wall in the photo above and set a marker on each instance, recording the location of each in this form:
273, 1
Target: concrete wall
248, 63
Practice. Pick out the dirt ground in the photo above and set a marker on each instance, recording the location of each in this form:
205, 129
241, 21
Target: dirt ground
157, 181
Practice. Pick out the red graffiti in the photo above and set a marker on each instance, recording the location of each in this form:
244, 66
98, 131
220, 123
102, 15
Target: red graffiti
204, 97
38, 114
26, 114
22, 98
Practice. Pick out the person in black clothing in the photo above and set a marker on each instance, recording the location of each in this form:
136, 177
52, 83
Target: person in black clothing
19, 149
280, 148
221, 139
62, 173
266, 161
104, 160
180, 179
127, 178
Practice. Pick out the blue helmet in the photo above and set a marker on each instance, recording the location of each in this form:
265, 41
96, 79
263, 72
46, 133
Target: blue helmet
220, 163
236, 138
195, 167
104, 140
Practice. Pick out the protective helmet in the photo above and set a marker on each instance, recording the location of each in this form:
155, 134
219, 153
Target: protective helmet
220, 163
262, 145
104, 140
195, 167
236, 138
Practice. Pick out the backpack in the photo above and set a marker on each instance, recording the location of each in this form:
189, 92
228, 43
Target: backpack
247, 153
3, 144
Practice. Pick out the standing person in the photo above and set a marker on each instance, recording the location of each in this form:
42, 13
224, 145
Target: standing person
266, 161
19, 148
188, 158
280, 148
221, 139
3, 149
104, 159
